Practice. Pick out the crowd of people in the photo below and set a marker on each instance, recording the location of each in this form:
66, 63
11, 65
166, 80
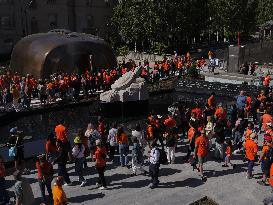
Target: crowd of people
213, 129
17, 91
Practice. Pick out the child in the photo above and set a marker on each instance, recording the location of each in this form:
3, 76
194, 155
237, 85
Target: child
228, 154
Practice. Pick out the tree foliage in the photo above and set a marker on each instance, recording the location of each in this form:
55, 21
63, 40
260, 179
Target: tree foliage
180, 21
265, 11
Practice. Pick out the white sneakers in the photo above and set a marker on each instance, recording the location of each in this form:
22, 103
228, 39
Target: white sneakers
102, 188
83, 184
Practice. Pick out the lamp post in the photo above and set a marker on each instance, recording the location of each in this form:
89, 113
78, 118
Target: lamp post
26, 17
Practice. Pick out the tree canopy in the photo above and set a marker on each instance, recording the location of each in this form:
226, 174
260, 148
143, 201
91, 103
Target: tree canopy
182, 21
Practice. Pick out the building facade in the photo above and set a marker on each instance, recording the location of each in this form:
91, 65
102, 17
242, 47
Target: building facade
19, 18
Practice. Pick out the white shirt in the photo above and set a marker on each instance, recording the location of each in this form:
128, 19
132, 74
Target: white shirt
112, 136
139, 136
154, 155
77, 153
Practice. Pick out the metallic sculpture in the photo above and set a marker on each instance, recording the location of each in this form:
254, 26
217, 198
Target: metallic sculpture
60, 51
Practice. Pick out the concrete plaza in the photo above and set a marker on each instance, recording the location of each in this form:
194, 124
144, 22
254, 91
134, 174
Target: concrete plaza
178, 185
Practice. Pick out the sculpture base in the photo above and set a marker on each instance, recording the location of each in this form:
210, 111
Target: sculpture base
125, 109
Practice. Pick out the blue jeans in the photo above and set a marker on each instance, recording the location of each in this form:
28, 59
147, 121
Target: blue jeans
123, 151
79, 168
45, 184
4, 197
250, 166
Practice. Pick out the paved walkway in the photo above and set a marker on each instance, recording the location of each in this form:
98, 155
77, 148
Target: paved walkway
178, 185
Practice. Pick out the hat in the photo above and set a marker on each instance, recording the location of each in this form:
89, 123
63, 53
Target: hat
98, 142
77, 140
13, 130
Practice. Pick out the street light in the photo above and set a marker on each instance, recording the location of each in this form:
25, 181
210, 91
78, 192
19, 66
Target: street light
25, 11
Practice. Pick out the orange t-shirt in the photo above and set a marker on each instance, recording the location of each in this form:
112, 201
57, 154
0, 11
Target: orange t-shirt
271, 175
45, 169
170, 122
247, 134
150, 132
211, 101
219, 112
59, 197
228, 151
50, 148
122, 139
61, 133
100, 156
202, 145
251, 148
191, 133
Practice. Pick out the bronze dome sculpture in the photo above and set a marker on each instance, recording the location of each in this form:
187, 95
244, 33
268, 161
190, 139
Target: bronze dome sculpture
60, 51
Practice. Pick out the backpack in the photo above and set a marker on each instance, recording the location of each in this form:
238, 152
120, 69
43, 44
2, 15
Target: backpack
162, 156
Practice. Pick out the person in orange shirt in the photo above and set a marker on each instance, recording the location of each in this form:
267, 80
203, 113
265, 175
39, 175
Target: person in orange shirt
59, 196
228, 154
100, 156
123, 146
45, 175
201, 150
211, 101
51, 148
61, 132
251, 149
170, 122
249, 131
266, 119
265, 158
266, 81
220, 112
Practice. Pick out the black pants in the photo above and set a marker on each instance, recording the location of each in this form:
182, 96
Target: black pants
154, 171
63, 172
101, 180
112, 152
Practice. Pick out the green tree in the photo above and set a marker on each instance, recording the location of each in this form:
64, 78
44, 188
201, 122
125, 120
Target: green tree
232, 16
265, 11
137, 20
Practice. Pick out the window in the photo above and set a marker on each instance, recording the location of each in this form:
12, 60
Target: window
90, 21
53, 21
89, 3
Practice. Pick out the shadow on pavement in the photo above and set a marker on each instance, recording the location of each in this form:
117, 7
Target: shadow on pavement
190, 182
85, 198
